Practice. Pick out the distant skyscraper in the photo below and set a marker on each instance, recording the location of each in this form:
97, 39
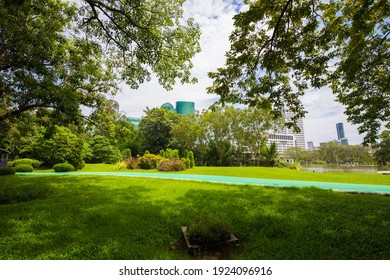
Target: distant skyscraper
310, 146
340, 131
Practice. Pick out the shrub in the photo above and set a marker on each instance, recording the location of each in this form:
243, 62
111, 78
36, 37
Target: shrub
6, 171
120, 165
192, 159
63, 167
131, 163
23, 168
171, 165
149, 161
208, 230
186, 162
32, 162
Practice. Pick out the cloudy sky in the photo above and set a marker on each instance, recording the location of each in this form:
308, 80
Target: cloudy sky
215, 20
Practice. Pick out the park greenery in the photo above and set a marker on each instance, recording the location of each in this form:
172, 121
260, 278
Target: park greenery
62, 55
61, 62
100, 217
227, 136
282, 48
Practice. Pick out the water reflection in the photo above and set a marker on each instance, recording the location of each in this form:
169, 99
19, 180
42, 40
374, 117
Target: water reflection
341, 168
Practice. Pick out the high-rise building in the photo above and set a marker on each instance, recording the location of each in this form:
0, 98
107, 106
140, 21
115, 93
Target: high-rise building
286, 137
310, 146
341, 135
340, 131
182, 107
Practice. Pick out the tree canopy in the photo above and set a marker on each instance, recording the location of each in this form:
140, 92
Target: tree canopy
281, 48
61, 55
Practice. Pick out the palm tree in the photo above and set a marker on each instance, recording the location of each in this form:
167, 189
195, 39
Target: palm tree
271, 154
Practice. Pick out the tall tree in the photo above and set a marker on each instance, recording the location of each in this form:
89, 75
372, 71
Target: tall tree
155, 129
43, 67
382, 154
61, 55
281, 48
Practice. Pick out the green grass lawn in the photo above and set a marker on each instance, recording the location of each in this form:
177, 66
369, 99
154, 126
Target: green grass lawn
267, 173
96, 217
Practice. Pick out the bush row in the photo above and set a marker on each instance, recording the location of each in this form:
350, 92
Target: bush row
167, 160
27, 161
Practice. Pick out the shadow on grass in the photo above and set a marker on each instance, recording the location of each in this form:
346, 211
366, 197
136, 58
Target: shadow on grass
84, 219
111, 218
300, 223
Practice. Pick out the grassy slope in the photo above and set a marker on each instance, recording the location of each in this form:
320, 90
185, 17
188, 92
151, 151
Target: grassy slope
90, 217
269, 173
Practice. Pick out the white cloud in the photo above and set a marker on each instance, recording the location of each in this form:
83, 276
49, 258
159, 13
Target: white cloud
216, 23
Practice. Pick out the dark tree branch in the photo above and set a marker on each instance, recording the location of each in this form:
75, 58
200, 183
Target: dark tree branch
102, 5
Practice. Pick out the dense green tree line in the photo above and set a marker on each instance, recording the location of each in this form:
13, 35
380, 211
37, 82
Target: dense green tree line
220, 137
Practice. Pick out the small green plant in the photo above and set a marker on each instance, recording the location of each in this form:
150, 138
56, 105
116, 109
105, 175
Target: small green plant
122, 165
6, 171
192, 159
208, 230
23, 168
171, 165
33, 162
186, 162
63, 167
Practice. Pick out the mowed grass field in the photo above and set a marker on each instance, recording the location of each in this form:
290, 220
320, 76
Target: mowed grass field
265, 173
104, 217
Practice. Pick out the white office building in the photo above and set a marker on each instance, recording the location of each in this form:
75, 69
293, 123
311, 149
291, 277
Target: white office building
286, 137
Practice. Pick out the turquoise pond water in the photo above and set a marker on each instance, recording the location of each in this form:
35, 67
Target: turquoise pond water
366, 188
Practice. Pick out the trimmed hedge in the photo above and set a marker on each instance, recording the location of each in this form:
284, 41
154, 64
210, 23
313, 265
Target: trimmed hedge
24, 168
32, 162
63, 167
6, 171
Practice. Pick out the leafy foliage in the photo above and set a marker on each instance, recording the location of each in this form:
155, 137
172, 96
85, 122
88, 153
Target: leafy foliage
62, 146
102, 151
149, 161
23, 168
144, 36
63, 167
155, 129
271, 154
59, 55
171, 165
42, 67
33, 162
382, 154
280, 49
